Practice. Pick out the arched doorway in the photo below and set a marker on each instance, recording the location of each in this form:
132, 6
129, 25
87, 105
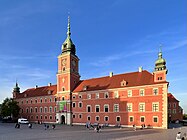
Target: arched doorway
62, 119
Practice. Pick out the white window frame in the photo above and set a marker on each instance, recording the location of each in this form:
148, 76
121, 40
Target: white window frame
81, 104
105, 119
130, 118
96, 118
106, 95
153, 107
154, 91
116, 94
96, 107
116, 108
96, 95
131, 106
142, 105
106, 105
87, 108
142, 91
74, 103
129, 93
89, 96
141, 120
157, 119
88, 117
119, 119
41, 109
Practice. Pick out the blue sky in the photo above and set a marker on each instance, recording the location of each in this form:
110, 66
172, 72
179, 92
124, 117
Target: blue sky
109, 35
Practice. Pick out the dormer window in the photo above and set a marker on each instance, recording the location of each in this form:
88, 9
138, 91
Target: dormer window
159, 78
49, 91
85, 88
123, 83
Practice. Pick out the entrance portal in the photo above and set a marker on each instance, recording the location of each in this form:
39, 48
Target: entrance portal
62, 119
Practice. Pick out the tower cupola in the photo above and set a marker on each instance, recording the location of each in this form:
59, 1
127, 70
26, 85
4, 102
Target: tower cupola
16, 88
68, 45
160, 63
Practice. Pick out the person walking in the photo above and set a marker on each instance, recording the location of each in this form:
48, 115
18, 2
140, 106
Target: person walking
178, 137
134, 127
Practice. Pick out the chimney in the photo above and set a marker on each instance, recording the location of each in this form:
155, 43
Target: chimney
49, 84
111, 74
140, 69
36, 86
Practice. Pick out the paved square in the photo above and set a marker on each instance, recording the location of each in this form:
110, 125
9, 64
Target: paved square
63, 132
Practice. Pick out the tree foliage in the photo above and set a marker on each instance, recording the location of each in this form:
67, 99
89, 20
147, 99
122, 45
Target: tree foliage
10, 107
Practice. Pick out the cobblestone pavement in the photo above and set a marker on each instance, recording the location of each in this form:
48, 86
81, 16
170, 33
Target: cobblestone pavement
63, 132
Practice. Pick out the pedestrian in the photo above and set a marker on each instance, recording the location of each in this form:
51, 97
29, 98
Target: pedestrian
178, 137
53, 126
134, 127
45, 126
184, 136
30, 125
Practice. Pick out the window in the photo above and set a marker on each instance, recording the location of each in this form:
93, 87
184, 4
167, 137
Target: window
80, 116
141, 92
45, 117
118, 118
88, 118
159, 78
27, 101
41, 117
131, 119
155, 107
116, 95
155, 119
174, 111
40, 100
36, 101
63, 98
174, 105
50, 109
45, 100
31, 110
155, 91
55, 99
80, 104
36, 109
74, 104
88, 108
21, 102
55, 109
80, 96
116, 107
63, 88
50, 117
31, 101
142, 107
106, 95
50, 100
106, 118
142, 119
89, 96
27, 110
97, 95
169, 105
73, 115
41, 109
97, 108
36, 116
106, 108
129, 94
169, 110
129, 107
97, 118
74, 97
45, 109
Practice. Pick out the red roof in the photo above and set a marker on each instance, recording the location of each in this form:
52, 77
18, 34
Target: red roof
131, 79
39, 91
171, 98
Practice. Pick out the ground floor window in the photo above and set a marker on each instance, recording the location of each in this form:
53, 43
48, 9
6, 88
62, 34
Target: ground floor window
142, 119
131, 118
73, 115
46, 117
80, 116
155, 119
97, 118
41, 117
106, 118
50, 117
88, 118
118, 118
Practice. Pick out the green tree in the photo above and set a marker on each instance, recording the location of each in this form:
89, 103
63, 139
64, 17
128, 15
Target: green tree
10, 107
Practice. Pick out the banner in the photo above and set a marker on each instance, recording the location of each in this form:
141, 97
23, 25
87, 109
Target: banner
62, 106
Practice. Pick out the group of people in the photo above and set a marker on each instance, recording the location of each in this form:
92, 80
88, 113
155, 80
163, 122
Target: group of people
180, 137
97, 128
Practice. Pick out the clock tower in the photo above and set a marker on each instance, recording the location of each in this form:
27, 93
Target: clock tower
67, 78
